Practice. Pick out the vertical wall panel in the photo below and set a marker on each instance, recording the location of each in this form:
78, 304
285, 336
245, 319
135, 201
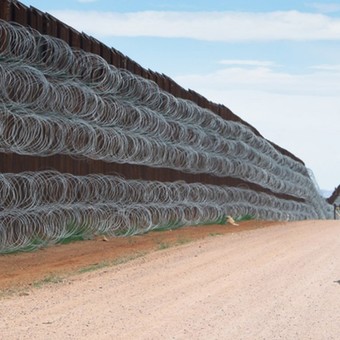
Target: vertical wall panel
115, 58
122, 60
105, 53
5, 10
75, 38
95, 46
130, 65
51, 25
139, 70
20, 13
63, 32
36, 21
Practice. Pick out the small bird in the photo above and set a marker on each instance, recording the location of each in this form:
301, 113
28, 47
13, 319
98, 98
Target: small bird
231, 220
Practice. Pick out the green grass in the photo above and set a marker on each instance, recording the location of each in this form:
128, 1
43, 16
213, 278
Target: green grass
94, 267
81, 232
183, 240
73, 238
56, 279
75, 233
163, 245
50, 279
35, 244
246, 217
115, 262
25, 290
171, 225
180, 241
222, 220
215, 234
124, 259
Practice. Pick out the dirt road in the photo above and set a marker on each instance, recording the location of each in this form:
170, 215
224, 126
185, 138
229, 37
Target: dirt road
280, 282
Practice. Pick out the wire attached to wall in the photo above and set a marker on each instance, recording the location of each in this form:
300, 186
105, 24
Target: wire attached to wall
58, 100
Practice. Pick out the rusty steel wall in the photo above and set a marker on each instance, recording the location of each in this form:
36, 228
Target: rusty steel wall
14, 11
45, 23
99, 149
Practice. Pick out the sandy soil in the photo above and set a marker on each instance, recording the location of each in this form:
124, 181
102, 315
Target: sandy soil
280, 282
26, 269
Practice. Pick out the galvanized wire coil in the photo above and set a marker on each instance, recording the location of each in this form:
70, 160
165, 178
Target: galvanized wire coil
49, 206
57, 100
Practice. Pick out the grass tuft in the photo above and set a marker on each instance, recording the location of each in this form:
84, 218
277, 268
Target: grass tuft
246, 217
50, 279
171, 225
163, 245
93, 267
215, 234
183, 240
75, 233
115, 262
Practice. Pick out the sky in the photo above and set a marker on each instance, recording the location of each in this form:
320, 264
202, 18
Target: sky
276, 64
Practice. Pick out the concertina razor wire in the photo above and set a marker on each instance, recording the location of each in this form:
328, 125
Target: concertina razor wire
58, 100
50, 206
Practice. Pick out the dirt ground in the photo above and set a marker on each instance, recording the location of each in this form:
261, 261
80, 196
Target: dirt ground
25, 269
257, 281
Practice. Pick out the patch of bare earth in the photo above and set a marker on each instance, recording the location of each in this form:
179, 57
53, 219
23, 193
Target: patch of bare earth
280, 282
22, 269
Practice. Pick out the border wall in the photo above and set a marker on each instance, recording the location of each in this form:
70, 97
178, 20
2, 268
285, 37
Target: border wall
47, 24
92, 141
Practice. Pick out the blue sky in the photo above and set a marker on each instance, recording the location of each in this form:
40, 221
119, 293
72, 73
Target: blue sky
274, 63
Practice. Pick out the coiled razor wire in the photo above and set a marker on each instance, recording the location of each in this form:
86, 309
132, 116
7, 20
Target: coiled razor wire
81, 138
28, 133
50, 206
95, 74
57, 100
70, 102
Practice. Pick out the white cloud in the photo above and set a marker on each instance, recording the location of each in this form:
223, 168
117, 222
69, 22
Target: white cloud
298, 112
329, 7
247, 62
319, 82
327, 67
211, 26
